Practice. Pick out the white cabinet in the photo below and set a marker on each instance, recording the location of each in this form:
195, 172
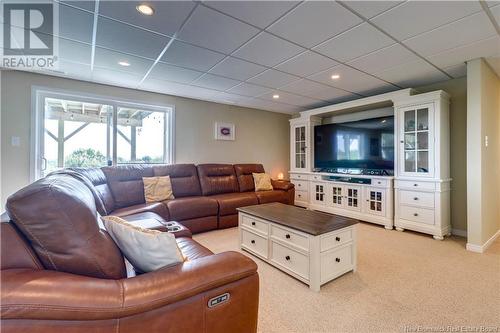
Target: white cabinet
422, 185
318, 193
301, 143
375, 201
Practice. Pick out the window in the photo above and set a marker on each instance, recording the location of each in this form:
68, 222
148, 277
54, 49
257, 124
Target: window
87, 131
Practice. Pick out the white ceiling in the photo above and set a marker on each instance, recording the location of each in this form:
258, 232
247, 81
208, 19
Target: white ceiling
244, 52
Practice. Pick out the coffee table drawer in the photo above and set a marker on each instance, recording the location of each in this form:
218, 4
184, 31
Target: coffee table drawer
336, 239
255, 243
291, 260
255, 224
336, 262
290, 237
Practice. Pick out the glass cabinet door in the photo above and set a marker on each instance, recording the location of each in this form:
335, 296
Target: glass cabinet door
300, 147
337, 195
416, 139
353, 198
375, 199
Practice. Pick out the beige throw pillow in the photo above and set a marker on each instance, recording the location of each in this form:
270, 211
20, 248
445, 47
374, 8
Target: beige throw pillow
157, 189
262, 182
147, 250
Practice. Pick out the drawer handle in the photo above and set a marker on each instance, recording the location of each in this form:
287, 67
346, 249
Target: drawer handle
415, 214
337, 239
299, 195
337, 259
287, 236
378, 182
300, 185
415, 184
252, 241
287, 257
415, 198
253, 223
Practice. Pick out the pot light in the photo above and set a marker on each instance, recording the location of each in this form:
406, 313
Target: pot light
276, 96
335, 76
145, 9
124, 63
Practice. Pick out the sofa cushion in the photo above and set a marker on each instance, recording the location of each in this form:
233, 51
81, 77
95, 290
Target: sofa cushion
272, 196
126, 183
244, 175
230, 201
217, 179
191, 207
184, 178
192, 250
155, 207
57, 214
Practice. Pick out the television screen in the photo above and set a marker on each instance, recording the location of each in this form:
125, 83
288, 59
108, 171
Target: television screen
362, 144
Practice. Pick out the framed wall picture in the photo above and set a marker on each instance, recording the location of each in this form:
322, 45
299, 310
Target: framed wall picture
224, 131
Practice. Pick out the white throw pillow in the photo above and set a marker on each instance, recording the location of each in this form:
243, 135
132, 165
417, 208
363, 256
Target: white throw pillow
147, 250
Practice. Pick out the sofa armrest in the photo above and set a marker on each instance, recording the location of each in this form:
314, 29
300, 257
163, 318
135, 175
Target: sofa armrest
283, 185
51, 295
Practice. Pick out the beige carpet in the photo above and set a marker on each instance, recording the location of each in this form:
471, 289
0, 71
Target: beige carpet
403, 280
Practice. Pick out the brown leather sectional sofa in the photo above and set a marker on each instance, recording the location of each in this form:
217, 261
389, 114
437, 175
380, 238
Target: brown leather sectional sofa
206, 196
61, 272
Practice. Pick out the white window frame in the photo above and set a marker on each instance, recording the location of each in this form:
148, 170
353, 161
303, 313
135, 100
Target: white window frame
38, 95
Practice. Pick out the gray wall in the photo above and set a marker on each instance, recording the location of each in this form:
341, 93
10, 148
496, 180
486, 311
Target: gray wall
261, 136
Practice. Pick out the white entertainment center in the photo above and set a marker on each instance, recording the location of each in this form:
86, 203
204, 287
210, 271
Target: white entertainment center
417, 195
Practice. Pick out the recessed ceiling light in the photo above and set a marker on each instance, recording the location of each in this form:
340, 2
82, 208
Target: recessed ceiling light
335, 76
276, 96
124, 63
145, 9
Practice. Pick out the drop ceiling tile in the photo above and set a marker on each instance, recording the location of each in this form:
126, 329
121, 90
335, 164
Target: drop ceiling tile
177, 89
288, 98
125, 38
167, 18
354, 43
75, 24
484, 48
109, 59
215, 82
317, 90
73, 69
313, 22
457, 70
273, 79
458, 33
496, 13
412, 74
237, 69
190, 56
115, 77
276, 107
216, 31
382, 59
248, 89
163, 71
415, 17
352, 80
372, 8
74, 51
86, 5
268, 50
259, 13
306, 63
492, 3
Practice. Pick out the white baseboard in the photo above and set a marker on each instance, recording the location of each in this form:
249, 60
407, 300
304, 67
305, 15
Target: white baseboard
459, 232
482, 248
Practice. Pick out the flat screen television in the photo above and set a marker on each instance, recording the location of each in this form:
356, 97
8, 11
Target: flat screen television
362, 144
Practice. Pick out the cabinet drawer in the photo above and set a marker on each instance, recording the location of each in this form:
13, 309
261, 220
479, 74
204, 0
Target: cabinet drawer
335, 240
379, 182
335, 262
290, 237
423, 199
299, 176
301, 185
255, 243
293, 261
316, 177
421, 215
302, 196
416, 184
255, 224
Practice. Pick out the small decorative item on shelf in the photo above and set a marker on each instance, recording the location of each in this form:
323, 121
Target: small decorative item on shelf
224, 131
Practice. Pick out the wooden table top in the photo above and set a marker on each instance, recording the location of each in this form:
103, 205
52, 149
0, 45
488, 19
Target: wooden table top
308, 221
